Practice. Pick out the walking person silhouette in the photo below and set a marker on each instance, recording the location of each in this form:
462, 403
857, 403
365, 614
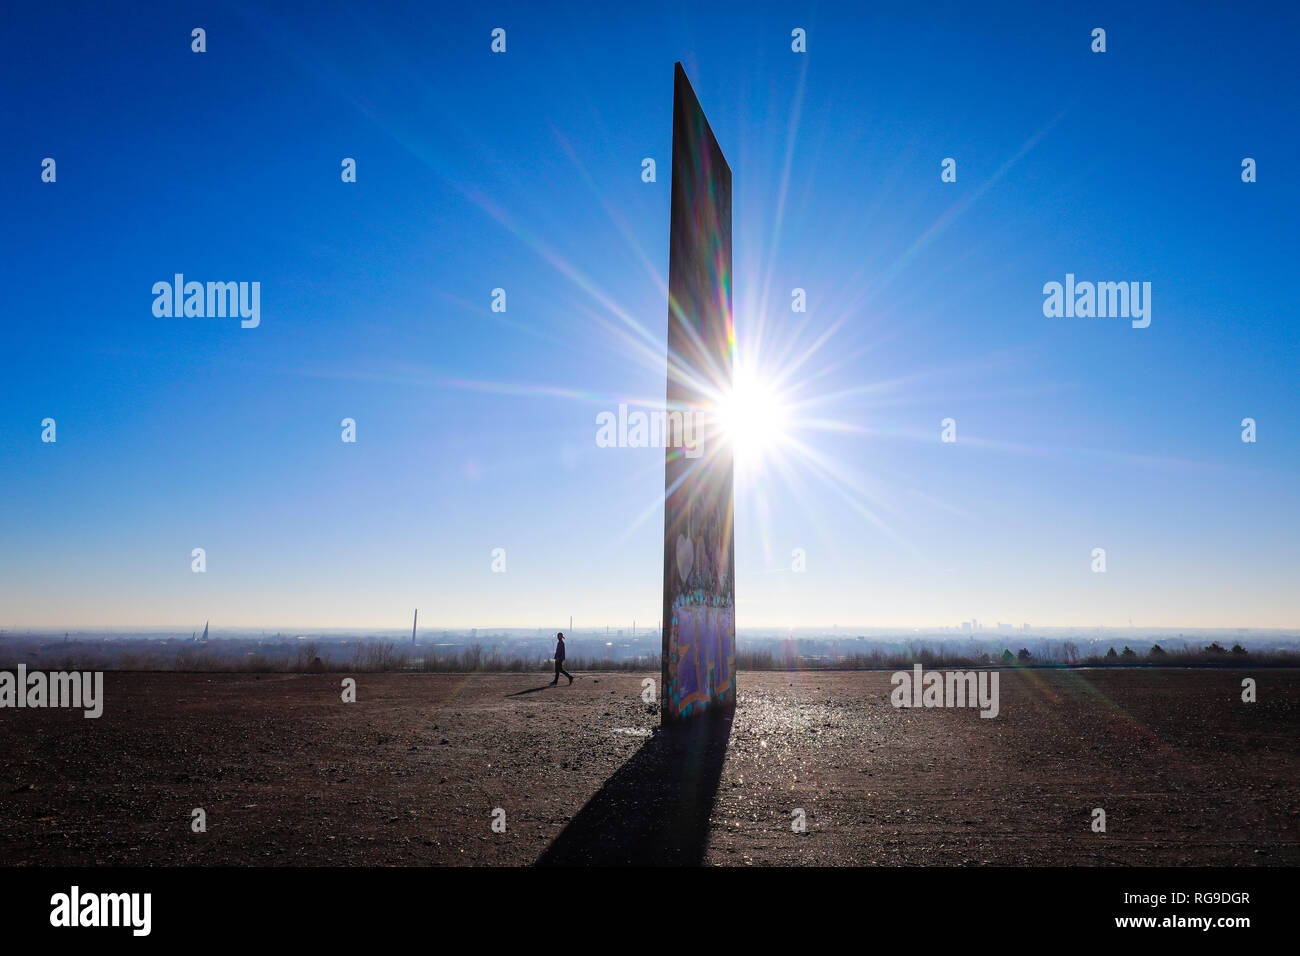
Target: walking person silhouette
559, 660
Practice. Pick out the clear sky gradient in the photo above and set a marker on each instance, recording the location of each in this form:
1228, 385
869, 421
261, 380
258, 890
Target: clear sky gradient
476, 430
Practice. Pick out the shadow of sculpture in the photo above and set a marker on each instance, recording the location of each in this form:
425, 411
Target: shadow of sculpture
655, 809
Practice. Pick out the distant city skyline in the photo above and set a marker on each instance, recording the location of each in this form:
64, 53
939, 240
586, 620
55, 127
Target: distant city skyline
870, 632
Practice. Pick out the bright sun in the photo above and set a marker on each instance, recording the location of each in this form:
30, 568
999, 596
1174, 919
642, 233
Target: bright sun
754, 417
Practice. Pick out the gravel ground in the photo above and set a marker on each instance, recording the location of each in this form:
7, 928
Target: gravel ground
411, 773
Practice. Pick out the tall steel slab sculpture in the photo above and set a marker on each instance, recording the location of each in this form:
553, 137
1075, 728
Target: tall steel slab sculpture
699, 622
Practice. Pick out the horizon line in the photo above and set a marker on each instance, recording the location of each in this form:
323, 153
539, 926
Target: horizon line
899, 628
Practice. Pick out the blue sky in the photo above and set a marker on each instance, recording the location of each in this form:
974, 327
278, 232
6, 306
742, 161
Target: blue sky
476, 430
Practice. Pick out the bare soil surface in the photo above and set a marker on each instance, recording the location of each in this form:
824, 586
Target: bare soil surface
411, 773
